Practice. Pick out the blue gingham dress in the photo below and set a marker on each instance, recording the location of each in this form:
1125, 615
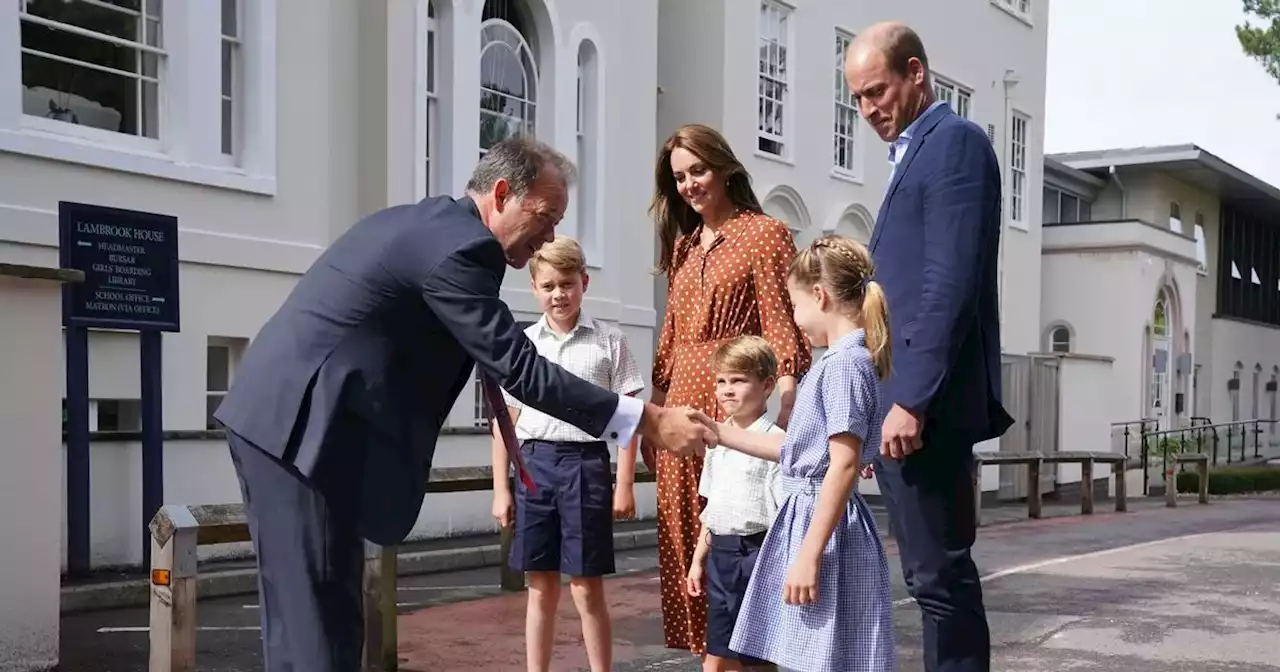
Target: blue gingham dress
850, 626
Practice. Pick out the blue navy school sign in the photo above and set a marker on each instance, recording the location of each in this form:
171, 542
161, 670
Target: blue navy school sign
130, 265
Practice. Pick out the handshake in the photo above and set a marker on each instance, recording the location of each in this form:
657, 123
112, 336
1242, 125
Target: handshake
680, 431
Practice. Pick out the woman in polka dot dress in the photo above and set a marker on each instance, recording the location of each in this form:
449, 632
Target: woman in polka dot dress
726, 262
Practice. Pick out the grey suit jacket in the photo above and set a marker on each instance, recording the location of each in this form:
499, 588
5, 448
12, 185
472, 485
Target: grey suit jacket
372, 348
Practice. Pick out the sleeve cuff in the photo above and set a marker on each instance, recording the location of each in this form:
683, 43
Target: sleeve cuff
626, 419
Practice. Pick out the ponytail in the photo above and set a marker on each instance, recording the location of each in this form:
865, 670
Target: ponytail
875, 320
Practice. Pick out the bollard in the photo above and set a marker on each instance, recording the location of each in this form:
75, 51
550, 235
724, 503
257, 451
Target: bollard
173, 591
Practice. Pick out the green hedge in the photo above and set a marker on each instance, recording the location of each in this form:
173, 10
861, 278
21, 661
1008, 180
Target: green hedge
1233, 480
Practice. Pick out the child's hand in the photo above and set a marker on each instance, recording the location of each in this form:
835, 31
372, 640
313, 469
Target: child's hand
693, 582
504, 509
868, 471
801, 586
624, 504
648, 455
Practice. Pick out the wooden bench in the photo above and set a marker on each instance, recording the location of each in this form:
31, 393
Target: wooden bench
177, 531
1035, 463
1201, 460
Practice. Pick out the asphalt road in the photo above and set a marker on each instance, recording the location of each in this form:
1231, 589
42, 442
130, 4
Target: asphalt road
1195, 588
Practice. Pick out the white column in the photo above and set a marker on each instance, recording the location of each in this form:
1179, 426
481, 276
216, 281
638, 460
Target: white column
460, 94
30, 474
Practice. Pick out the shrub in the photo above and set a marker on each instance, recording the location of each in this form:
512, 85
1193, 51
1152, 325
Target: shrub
1233, 480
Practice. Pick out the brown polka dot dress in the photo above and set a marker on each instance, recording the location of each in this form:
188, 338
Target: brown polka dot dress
735, 287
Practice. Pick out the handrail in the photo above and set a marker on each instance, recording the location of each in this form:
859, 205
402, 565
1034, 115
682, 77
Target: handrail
1160, 439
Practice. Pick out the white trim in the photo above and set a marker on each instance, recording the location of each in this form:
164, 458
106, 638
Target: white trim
866, 220
855, 135
1024, 214
786, 135
39, 228
957, 89
597, 140
789, 196
189, 147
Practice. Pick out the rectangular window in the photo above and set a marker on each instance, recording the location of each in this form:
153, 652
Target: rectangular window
232, 75
774, 96
959, 98
182, 91
93, 65
1064, 207
222, 356
1248, 267
1175, 217
844, 135
1202, 254
433, 112
1018, 167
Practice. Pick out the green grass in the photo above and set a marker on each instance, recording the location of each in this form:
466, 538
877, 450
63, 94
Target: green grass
1233, 480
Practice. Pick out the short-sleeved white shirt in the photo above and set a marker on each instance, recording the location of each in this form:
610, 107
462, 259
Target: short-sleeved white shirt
742, 491
594, 351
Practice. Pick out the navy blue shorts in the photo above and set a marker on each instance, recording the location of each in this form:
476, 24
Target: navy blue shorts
567, 524
729, 566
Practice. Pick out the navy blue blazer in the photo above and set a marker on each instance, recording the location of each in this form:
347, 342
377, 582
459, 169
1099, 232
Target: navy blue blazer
373, 346
935, 249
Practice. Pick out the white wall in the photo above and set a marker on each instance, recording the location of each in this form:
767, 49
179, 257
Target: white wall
1086, 388
29, 426
1101, 281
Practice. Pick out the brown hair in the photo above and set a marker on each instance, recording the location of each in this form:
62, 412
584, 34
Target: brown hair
901, 44
672, 215
563, 254
843, 267
746, 354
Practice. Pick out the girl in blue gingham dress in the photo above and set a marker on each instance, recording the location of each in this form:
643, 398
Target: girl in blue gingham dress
819, 600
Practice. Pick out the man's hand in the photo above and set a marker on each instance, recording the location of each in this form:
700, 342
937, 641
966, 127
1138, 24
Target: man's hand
681, 431
900, 435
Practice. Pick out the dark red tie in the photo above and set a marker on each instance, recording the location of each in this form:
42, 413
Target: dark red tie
497, 409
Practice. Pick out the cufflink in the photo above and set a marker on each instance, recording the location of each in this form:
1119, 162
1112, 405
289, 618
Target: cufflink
613, 435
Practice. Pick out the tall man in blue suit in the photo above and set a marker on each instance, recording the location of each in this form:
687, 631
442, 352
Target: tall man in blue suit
935, 250
336, 408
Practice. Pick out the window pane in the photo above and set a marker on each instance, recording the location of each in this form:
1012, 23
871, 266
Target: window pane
218, 367
1070, 211
1049, 209
1086, 211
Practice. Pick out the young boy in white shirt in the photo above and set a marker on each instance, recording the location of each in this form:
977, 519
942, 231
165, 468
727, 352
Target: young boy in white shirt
742, 498
566, 524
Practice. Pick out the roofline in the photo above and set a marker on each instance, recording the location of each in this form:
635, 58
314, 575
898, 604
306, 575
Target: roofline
1090, 179
1155, 156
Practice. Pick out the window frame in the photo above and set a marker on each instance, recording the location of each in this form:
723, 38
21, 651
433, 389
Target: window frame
189, 147
958, 92
843, 102
785, 137
1019, 167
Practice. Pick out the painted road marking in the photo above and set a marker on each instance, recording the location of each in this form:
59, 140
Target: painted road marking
1031, 567
206, 628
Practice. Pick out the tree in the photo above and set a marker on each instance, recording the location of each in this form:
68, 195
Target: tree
1262, 43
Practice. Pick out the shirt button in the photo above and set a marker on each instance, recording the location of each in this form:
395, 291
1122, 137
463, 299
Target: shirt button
613, 435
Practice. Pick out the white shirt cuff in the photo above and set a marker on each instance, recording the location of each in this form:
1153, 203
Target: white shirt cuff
626, 419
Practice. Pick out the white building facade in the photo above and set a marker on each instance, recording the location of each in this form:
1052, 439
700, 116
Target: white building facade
267, 142
1167, 259
769, 75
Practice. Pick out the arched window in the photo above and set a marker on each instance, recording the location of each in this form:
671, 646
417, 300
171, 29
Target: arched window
589, 159
508, 74
1060, 339
1160, 318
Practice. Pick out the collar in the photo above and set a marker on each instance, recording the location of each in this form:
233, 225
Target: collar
584, 322
904, 139
854, 339
731, 226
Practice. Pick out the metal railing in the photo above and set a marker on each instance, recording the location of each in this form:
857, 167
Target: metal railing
1202, 436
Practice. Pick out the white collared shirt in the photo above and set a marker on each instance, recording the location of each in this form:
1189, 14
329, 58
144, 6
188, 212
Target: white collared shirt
594, 351
743, 492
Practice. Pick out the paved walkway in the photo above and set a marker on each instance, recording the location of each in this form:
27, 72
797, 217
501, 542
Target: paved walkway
1195, 588
1104, 592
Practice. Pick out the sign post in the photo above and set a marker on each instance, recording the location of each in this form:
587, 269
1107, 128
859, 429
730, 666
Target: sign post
130, 265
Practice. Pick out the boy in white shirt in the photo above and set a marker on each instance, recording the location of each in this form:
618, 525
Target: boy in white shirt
742, 498
566, 525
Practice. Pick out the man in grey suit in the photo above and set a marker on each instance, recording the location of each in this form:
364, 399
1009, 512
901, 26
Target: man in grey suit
333, 418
